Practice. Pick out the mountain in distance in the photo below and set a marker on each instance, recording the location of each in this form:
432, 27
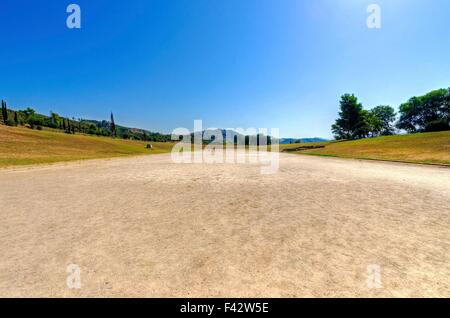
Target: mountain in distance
103, 128
282, 141
287, 141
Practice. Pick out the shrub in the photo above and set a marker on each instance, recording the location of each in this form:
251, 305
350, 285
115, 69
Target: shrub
11, 122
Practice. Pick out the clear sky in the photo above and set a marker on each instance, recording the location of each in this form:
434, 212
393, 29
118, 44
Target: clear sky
161, 64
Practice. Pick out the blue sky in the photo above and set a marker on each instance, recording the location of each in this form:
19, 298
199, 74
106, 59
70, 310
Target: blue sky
161, 64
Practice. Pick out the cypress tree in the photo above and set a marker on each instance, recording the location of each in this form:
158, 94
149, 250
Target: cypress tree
4, 112
113, 126
16, 118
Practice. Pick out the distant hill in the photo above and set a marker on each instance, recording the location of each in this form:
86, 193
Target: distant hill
30, 118
287, 141
284, 141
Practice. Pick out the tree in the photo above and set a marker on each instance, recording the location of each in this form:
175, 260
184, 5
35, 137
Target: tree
367, 125
29, 111
4, 112
382, 121
55, 120
16, 118
29, 114
430, 112
351, 121
113, 126
35, 120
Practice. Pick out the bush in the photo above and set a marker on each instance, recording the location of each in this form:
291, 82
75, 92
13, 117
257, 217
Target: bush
11, 122
35, 120
437, 125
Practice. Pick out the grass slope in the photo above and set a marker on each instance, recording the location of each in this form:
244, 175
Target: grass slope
429, 148
23, 146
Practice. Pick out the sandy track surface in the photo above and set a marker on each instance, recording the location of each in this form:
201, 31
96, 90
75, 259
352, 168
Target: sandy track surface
148, 227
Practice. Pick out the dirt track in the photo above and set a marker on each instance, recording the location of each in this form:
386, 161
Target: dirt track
148, 227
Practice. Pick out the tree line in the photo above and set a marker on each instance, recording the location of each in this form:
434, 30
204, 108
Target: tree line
31, 119
427, 113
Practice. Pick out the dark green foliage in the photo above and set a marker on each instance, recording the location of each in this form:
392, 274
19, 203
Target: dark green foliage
54, 121
354, 122
28, 112
383, 118
4, 112
113, 126
10, 122
350, 124
427, 113
36, 120
92, 127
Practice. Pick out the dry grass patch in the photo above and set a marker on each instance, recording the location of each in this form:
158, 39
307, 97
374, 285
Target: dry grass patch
430, 148
23, 146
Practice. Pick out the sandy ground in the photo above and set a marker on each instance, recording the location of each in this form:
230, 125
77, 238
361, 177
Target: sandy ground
149, 227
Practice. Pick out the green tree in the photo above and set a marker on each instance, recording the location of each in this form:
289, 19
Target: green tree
113, 126
55, 120
367, 125
382, 121
4, 112
351, 122
28, 112
35, 120
430, 112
